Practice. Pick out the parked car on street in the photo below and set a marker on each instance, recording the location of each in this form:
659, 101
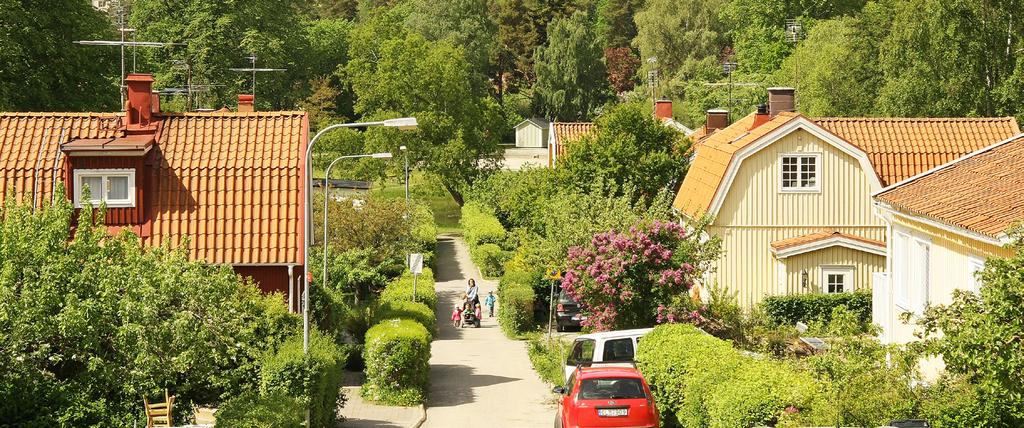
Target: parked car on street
607, 347
567, 312
605, 396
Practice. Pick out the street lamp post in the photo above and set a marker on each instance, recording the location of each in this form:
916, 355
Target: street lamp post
406, 123
405, 151
327, 176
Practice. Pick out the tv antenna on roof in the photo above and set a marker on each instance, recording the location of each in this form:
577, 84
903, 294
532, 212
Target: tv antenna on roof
255, 70
793, 33
124, 43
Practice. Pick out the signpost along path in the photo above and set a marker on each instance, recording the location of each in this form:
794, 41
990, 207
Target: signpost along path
416, 267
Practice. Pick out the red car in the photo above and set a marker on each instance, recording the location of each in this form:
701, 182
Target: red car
606, 397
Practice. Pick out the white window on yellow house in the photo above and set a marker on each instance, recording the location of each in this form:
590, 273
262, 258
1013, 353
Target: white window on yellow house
836, 279
800, 172
116, 187
974, 265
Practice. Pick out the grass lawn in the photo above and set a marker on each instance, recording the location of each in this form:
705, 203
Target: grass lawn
422, 189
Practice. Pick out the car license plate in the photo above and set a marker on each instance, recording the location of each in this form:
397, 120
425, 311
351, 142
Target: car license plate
611, 413
577, 317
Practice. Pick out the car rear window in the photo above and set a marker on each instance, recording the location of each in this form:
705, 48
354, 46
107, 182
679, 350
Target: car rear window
582, 352
611, 389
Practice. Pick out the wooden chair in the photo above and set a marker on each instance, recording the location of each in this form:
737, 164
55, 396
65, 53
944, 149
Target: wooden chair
159, 414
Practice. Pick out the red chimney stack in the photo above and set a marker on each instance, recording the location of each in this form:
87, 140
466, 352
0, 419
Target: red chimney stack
139, 107
246, 103
663, 109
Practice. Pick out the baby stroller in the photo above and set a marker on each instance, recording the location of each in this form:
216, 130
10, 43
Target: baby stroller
469, 318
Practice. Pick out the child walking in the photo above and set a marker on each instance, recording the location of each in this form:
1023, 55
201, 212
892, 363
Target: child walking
457, 317
489, 301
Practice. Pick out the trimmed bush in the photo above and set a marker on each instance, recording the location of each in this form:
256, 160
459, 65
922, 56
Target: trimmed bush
397, 356
787, 310
480, 226
400, 289
315, 379
491, 259
252, 410
415, 311
704, 381
515, 302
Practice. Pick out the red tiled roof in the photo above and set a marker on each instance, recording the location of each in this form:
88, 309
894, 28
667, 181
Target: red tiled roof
821, 236
567, 132
229, 182
899, 148
982, 193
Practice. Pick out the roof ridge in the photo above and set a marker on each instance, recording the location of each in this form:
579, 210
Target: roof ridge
916, 119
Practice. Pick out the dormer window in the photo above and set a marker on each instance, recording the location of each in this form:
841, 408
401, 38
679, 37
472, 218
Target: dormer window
800, 172
116, 187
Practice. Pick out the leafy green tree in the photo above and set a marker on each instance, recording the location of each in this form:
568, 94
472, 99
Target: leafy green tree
836, 68
407, 75
222, 35
42, 70
679, 34
952, 58
981, 337
463, 23
615, 22
91, 324
630, 150
571, 75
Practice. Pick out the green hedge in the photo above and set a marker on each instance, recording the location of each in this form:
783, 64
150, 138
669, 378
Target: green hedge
480, 226
253, 410
315, 379
415, 311
704, 381
515, 302
490, 258
400, 289
787, 310
397, 356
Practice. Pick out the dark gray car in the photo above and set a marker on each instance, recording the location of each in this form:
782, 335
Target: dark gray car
567, 312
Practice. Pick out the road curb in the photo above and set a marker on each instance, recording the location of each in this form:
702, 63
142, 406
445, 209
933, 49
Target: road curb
423, 416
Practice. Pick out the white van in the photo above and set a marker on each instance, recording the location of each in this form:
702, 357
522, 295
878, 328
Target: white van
609, 346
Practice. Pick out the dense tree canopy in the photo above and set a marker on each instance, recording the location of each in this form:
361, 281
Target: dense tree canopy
40, 68
571, 74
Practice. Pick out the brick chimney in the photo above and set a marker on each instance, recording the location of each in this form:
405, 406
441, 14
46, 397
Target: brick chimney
663, 109
761, 116
139, 106
780, 100
246, 103
717, 119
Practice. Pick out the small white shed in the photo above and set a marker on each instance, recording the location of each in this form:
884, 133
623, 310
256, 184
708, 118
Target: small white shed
532, 133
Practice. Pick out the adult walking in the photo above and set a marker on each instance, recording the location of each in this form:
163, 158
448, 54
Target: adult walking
473, 293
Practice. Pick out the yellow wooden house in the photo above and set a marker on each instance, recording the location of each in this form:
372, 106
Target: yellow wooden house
945, 223
790, 196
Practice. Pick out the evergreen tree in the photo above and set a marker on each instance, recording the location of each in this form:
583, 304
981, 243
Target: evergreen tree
571, 75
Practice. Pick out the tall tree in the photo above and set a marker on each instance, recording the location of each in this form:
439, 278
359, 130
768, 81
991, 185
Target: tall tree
953, 58
615, 22
222, 35
410, 76
40, 68
571, 74
463, 23
679, 33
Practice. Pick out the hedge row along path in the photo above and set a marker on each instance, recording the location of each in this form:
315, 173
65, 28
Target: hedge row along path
478, 377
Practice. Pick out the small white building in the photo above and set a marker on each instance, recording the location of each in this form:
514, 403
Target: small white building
532, 133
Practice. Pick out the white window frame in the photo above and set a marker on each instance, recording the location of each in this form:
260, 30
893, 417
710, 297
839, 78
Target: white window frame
974, 264
849, 273
919, 285
900, 260
105, 174
799, 156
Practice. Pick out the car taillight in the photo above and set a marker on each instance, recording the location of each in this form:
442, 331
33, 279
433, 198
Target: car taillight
561, 308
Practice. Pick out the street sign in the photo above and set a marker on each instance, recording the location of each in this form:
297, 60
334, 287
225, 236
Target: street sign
416, 263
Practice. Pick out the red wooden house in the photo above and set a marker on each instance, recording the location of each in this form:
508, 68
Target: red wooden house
228, 182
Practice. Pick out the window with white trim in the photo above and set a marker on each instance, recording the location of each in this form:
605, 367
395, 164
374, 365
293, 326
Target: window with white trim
901, 270
799, 172
116, 187
836, 279
919, 275
974, 265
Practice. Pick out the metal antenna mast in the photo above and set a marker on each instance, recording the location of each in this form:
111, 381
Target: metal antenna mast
254, 70
793, 29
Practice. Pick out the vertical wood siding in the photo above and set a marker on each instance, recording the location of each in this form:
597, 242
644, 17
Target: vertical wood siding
755, 213
864, 265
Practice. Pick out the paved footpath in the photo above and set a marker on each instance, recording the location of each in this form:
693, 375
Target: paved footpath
478, 377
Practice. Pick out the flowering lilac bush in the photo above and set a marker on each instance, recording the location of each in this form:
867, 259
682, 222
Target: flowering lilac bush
631, 279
